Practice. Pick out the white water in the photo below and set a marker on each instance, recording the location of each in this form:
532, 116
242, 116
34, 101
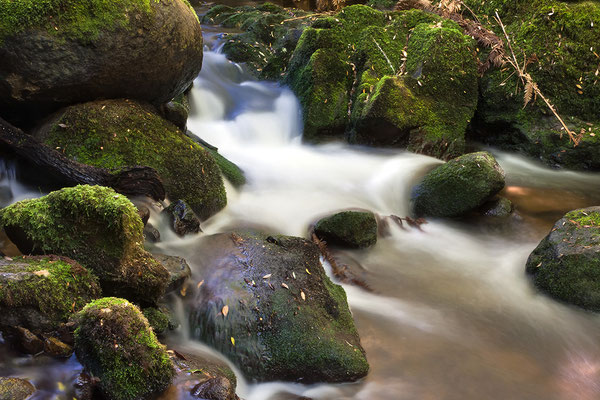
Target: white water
452, 315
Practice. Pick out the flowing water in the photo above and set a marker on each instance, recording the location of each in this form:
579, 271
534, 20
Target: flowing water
451, 314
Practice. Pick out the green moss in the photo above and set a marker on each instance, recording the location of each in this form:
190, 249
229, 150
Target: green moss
459, 186
382, 4
348, 228
56, 287
68, 18
115, 343
117, 133
232, 172
158, 320
97, 227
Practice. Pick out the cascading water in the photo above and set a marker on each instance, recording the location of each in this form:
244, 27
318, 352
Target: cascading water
451, 315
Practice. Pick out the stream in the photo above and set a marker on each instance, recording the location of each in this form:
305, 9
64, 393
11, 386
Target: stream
451, 314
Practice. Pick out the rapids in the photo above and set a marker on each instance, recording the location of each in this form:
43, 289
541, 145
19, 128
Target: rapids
451, 314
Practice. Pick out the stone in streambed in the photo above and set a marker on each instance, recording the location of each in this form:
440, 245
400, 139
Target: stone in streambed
40, 293
566, 263
178, 269
15, 389
458, 186
353, 229
182, 219
63, 52
95, 226
285, 320
115, 343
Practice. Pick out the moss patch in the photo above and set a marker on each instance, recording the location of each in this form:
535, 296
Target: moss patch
118, 133
115, 343
95, 226
348, 229
53, 286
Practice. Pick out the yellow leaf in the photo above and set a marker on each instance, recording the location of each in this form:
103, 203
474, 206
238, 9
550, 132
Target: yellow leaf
61, 386
225, 310
302, 295
200, 284
43, 272
232, 341
284, 285
308, 272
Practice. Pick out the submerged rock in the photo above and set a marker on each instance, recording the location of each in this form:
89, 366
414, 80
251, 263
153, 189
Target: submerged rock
182, 219
57, 53
500, 207
40, 293
119, 133
178, 269
15, 389
266, 303
115, 343
354, 229
566, 263
459, 186
97, 227
203, 377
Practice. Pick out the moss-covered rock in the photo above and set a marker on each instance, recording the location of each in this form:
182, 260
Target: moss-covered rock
566, 265
40, 293
119, 133
177, 111
459, 186
15, 389
115, 343
178, 268
561, 39
96, 227
58, 52
267, 304
354, 229
158, 320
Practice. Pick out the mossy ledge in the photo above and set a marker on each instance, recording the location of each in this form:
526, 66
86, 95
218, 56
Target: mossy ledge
95, 226
118, 133
115, 343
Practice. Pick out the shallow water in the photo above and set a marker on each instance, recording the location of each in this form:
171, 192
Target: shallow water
451, 315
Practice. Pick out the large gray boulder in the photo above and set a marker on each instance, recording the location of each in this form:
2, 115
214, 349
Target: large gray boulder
266, 303
96, 49
566, 263
459, 186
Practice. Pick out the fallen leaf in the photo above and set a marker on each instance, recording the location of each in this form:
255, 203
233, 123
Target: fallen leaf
200, 284
294, 274
225, 310
43, 272
284, 285
302, 295
308, 272
183, 291
267, 276
232, 341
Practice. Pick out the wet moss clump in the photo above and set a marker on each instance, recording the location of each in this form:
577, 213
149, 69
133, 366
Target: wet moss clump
158, 320
354, 229
459, 186
95, 226
115, 343
118, 133
39, 293
71, 19
566, 265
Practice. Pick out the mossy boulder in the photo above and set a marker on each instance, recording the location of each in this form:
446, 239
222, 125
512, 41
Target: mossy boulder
178, 268
458, 186
59, 52
566, 263
353, 229
269, 36
158, 320
15, 389
561, 39
115, 343
40, 293
95, 226
267, 304
118, 133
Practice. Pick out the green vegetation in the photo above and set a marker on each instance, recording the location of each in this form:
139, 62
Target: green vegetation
565, 264
117, 133
158, 320
96, 227
115, 343
81, 20
348, 229
459, 186
53, 286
